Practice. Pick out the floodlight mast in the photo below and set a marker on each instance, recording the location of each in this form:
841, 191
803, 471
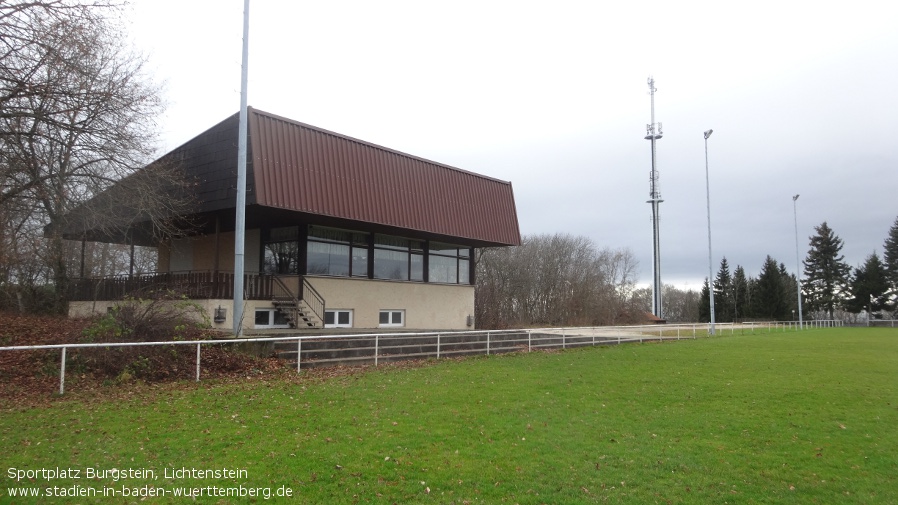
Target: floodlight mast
797, 261
240, 214
710, 260
653, 133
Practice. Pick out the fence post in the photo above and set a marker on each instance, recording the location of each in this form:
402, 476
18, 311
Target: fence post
298, 353
198, 362
487, 343
529, 348
563, 340
693, 331
62, 374
376, 345
438, 346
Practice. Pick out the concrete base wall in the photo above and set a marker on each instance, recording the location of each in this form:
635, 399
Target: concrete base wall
87, 309
426, 306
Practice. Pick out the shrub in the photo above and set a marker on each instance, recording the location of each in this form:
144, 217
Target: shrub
162, 316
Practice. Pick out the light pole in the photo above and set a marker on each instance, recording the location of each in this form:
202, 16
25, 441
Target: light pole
710, 264
797, 261
870, 310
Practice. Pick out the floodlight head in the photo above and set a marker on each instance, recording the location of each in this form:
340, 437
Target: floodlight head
794, 198
708, 134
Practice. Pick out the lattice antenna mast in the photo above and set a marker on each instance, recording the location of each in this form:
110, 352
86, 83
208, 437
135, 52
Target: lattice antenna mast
653, 133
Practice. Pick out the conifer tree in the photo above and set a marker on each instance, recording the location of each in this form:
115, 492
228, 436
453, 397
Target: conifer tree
723, 296
790, 289
890, 257
704, 305
826, 273
740, 294
770, 300
869, 287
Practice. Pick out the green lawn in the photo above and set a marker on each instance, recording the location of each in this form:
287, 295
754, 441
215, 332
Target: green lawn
809, 417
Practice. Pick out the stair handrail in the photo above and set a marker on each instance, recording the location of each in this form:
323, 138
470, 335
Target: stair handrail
314, 301
281, 290
307, 293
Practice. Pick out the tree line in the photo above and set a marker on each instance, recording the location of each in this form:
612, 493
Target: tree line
555, 280
830, 288
566, 280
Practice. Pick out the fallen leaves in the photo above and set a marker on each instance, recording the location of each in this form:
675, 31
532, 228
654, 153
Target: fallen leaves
31, 378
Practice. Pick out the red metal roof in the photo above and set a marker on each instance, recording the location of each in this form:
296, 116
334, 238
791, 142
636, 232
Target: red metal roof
307, 169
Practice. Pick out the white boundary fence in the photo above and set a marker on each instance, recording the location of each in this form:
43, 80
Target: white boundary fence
441, 344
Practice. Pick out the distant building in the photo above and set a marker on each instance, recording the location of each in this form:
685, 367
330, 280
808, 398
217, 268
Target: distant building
339, 232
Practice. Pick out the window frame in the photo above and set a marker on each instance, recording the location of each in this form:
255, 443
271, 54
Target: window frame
413, 250
272, 318
337, 313
438, 252
391, 323
353, 241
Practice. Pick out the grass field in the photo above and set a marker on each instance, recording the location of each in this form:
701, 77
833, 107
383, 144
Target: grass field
798, 417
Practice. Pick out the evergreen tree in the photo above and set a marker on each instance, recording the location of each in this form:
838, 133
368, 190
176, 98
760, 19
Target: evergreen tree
790, 290
869, 287
770, 302
723, 294
825, 271
751, 301
740, 294
704, 304
890, 256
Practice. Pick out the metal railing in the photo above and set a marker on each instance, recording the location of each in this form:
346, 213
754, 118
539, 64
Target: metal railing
393, 346
312, 298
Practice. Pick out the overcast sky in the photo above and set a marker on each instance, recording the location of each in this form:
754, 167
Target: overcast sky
552, 96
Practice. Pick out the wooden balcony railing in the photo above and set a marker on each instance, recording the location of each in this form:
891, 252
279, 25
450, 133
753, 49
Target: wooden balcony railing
193, 284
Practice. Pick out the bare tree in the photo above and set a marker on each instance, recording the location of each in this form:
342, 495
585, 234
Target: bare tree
680, 306
554, 280
76, 116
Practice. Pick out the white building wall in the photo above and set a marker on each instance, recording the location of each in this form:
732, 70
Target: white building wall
426, 306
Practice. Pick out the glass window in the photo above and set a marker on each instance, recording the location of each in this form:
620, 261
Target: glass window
359, 261
281, 255
328, 259
392, 318
449, 263
338, 318
337, 252
417, 267
281, 258
390, 265
398, 258
443, 269
270, 318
